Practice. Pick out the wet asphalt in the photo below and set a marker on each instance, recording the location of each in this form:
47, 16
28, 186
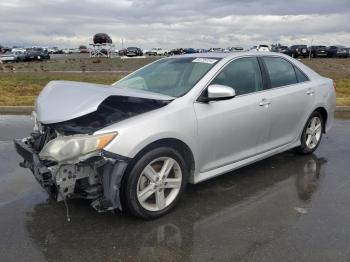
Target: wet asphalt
285, 208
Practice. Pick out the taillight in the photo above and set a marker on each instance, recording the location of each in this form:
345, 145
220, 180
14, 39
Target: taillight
334, 85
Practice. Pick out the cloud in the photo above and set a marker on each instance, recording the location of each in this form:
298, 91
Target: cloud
174, 23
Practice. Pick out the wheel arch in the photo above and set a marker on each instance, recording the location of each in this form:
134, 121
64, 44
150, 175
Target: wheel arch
174, 143
324, 115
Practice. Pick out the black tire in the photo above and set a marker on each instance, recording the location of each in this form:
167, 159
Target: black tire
130, 183
304, 149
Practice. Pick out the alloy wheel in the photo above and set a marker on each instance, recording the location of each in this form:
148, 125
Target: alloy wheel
159, 184
313, 132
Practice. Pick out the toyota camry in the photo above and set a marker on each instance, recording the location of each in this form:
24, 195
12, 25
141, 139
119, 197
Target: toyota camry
184, 119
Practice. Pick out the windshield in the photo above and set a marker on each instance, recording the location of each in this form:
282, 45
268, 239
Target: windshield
169, 76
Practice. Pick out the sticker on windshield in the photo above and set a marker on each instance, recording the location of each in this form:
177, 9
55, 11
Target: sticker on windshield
205, 60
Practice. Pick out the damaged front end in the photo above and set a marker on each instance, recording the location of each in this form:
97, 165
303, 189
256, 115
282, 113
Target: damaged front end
96, 175
69, 161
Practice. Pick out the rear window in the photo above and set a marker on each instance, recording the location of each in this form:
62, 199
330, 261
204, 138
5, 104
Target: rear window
301, 77
280, 71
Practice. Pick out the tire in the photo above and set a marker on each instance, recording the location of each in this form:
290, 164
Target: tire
136, 183
308, 145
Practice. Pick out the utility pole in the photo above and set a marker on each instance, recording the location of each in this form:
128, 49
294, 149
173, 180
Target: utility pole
310, 50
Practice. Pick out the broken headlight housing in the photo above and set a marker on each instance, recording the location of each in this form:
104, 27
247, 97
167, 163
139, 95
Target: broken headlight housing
67, 148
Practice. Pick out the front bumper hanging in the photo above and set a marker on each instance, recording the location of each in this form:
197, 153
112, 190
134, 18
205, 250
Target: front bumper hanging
32, 161
108, 177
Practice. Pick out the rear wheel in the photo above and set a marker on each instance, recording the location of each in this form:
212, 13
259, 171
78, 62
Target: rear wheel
312, 134
155, 183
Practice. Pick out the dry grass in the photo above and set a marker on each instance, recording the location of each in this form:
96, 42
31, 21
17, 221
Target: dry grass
339, 71
21, 89
21, 83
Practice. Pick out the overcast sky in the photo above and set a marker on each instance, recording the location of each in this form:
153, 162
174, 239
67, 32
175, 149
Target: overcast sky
168, 24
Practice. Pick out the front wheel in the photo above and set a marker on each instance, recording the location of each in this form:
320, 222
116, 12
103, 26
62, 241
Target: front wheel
312, 134
155, 183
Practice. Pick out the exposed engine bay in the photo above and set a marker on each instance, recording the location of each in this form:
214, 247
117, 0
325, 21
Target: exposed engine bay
112, 110
96, 175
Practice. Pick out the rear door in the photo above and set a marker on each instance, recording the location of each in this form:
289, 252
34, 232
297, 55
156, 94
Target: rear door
290, 97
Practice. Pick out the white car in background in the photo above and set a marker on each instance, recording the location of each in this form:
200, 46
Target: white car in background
261, 48
157, 51
18, 49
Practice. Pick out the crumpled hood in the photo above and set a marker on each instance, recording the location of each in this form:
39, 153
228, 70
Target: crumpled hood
64, 100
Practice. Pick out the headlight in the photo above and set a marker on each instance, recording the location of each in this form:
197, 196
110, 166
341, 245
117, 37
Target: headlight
69, 147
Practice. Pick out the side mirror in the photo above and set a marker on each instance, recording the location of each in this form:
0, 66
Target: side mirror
217, 92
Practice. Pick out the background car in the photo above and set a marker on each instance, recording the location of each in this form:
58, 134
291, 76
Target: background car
283, 49
318, 51
4, 49
201, 50
216, 49
189, 50
263, 48
157, 51
122, 52
176, 51
18, 49
13, 57
54, 50
133, 51
338, 51
236, 49
298, 50
37, 53
83, 49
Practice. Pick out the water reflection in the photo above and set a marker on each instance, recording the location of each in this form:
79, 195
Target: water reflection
223, 219
308, 178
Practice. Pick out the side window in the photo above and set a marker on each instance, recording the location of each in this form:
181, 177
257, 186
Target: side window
281, 72
300, 75
243, 75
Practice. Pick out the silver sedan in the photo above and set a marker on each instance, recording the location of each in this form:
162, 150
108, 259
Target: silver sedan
134, 146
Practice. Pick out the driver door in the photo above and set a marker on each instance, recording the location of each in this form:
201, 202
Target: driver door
232, 130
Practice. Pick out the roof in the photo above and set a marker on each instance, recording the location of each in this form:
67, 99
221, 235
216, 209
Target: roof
224, 55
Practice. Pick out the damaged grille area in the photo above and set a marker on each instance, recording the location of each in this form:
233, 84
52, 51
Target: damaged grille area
112, 110
97, 175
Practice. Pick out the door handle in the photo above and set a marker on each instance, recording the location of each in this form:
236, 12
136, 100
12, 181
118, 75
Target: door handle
310, 92
264, 102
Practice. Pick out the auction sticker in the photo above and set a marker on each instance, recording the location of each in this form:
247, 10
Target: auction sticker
205, 60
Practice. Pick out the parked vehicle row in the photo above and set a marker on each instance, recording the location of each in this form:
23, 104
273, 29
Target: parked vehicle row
296, 51
23, 55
